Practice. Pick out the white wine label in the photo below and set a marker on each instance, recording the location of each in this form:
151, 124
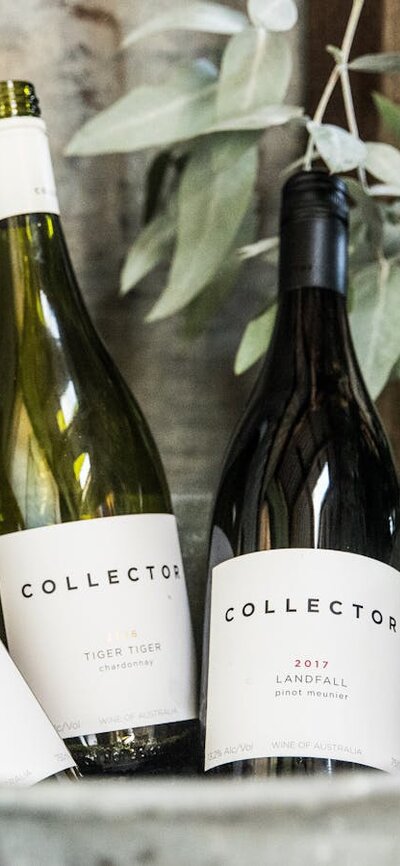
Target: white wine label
27, 186
304, 659
30, 749
97, 620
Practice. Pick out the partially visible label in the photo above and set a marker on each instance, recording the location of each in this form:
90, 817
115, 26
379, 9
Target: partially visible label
304, 659
30, 749
97, 620
27, 180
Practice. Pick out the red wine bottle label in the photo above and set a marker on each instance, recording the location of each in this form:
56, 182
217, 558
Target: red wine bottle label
27, 186
30, 749
304, 659
97, 620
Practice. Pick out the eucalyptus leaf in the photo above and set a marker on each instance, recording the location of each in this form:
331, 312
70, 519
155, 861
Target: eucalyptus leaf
214, 194
340, 150
370, 213
336, 53
389, 112
255, 340
162, 115
383, 161
375, 322
387, 62
391, 241
207, 303
255, 72
384, 189
152, 245
261, 247
273, 14
214, 295
261, 118
152, 115
395, 372
206, 17
157, 178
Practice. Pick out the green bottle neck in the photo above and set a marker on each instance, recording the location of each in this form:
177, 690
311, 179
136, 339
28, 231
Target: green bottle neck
28, 184
18, 99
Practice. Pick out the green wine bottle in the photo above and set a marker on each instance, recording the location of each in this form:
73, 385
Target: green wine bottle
92, 590
301, 661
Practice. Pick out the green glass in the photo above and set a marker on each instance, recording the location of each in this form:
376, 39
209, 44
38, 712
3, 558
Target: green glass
75, 444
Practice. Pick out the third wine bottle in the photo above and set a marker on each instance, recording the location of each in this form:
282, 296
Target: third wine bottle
301, 666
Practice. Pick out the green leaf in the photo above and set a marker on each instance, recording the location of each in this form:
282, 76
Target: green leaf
162, 115
370, 213
156, 179
384, 189
259, 248
215, 193
377, 63
152, 115
273, 14
336, 53
153, 244
389, 112
255, 72
206, 17
391, 240
261, 118
383, 161
395, 372
213, 296
340, 150
255, 340
375, 322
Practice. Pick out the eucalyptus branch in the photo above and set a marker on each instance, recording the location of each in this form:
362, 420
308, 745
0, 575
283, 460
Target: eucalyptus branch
351, 117
320, 111
340, 70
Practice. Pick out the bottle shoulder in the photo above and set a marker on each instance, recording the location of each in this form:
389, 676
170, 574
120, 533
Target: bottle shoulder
318, 473
66, 400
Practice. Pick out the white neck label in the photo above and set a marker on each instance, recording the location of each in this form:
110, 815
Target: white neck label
27, 180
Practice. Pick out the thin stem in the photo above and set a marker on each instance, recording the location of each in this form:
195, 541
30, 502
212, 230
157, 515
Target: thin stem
337, 72
351, 28
351, 118
320, 111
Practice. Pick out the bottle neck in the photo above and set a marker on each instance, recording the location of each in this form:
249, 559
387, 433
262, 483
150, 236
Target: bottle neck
27, 185
312, 349
313, 254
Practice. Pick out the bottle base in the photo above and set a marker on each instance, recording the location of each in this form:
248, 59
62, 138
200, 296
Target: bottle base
289, 766
170, 749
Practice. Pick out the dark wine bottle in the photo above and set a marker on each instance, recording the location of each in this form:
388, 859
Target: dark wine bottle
302, 629
92, 589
